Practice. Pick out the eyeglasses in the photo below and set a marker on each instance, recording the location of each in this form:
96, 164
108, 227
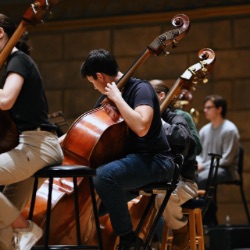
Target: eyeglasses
208, 107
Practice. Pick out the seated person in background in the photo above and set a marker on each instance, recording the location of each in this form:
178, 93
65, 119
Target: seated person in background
187, 187
149, 159
220, 136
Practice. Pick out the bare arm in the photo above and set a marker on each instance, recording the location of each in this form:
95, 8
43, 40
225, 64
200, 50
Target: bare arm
138, 119
10, 91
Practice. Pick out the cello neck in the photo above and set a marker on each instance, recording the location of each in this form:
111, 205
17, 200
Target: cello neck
11, 43
143, 57
171, 94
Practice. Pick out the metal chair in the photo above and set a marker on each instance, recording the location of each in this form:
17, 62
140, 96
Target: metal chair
239, 182
153, 190
195, 209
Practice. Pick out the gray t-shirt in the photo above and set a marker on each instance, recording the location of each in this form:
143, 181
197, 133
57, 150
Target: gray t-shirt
223, 140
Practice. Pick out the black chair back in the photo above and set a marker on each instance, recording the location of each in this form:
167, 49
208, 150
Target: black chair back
240, 161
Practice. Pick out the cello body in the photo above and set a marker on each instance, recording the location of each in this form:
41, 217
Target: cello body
96, 137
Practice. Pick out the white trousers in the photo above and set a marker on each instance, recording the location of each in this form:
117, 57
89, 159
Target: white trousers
36, 150
173, 215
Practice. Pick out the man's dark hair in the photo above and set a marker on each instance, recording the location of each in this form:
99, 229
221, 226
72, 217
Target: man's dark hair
218, 102
100, 61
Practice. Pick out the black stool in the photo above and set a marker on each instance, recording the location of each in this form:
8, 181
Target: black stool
61, 172
153, 190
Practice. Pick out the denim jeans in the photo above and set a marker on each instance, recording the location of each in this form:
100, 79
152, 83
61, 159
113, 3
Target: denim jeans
115, 179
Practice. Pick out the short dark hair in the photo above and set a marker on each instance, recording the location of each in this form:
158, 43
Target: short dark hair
218, 101
99, 61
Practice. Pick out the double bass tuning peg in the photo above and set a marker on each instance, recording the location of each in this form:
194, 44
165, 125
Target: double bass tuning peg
174, 43
166, 53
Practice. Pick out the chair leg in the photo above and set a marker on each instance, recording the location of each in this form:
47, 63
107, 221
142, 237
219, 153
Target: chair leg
157, 219
245, 203
166, 242
200, 233
164, 237
192, 229
77, 219
95, 211
48, 214
33, 198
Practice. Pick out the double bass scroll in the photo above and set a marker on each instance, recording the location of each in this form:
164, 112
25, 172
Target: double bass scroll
193, 76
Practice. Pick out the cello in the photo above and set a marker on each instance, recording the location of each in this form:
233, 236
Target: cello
8, 131
84, 144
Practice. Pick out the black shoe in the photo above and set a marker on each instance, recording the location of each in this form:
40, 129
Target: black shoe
128, 245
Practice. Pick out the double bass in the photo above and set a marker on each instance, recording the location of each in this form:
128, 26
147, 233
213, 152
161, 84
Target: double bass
96, 137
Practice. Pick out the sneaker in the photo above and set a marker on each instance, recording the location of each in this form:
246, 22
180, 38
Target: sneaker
26, 238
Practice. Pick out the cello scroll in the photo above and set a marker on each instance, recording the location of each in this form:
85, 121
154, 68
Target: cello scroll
198, 73
37, 10
193, 76
158, 46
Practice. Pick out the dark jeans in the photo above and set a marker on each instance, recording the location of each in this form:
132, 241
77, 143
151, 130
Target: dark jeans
115, 179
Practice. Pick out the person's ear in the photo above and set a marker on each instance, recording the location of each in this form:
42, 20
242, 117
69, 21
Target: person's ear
162, 95
219, 109
1, 32
99, 76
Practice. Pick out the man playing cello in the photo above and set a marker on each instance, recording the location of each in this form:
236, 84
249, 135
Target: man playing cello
149, 159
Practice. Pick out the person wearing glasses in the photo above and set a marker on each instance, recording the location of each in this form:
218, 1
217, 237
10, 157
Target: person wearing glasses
219, 136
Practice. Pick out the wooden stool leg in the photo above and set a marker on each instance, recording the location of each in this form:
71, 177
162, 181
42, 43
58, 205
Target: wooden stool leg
192, 229
164, 237
200, 233
166, 242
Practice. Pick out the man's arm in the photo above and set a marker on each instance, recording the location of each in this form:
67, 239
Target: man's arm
138, 119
